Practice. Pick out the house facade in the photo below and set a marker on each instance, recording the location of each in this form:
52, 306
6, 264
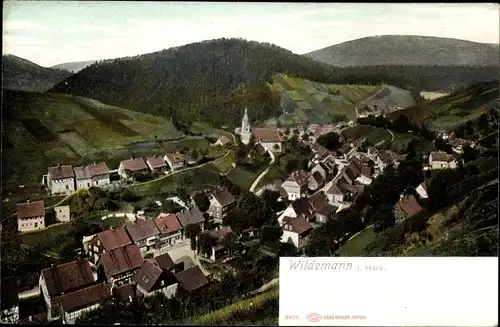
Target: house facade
82, 178
219, 249
63, 279
442, 160
61, 179
75, 304
144, 233
170, 230
99, 174
422, 190
296, 185
191, 216
119, 265
175, 160
130, 166
156, 163
269, 138
315, 181
221, 202
63, 213
96, 245
406, 207
296, 231
30, 216
321, 208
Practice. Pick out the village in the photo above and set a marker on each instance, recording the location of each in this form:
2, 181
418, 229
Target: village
148, 254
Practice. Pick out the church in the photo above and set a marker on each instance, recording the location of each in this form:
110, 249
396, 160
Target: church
269, 138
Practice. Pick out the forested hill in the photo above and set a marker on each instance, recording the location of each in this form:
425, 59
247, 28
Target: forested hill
409, 50
23, 75
214, 80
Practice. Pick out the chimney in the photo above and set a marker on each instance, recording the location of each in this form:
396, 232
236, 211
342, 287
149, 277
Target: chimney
31, 318
28, 201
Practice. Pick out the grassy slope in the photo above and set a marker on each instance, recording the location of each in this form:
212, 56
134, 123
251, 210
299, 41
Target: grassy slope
450, 111
239, 313
315, 101
47, 129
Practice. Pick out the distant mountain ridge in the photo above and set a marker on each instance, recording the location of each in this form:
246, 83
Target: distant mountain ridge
23, 75
74, 66
408, 50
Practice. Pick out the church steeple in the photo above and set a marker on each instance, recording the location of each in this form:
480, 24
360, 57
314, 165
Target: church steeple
245, 116
245, 128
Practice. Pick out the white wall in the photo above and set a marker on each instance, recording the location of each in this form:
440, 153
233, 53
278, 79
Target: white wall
28, 224
292, 189
289, 212
420, 190
66, 185
270, 146
292, 237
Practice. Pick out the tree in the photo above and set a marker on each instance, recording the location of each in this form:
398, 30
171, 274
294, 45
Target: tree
202, 201
270, 235
128, 196
411, 151
470, 154
330, 141
276, 147
150, 205
305, 137
192, 231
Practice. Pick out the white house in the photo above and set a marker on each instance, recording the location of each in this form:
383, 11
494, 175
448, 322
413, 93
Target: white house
75, 304
269, 138
63, 213
170, 229
156, 163
144, 233
296, 231
10, 300
422, 190
82, 178
61, 179
96, 174
130, 166
175, 160
296, 185
221, 201
442, 160
30, 216
298, 207
222, 141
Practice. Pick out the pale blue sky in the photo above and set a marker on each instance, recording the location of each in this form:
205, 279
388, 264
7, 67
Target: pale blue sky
53, 32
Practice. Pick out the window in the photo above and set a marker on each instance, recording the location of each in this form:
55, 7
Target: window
67, 187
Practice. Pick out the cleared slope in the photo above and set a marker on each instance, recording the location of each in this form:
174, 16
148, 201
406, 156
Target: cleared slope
408, 50
74, 67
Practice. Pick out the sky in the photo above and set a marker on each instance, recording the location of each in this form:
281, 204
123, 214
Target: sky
54, 32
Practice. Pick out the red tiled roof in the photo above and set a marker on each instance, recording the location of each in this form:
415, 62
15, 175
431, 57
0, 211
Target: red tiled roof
441, 156
30, 209
147, 276
192, 278
175, 157
300, 177
97, 169
68, 276
299, 225
409, 205
167, 223
60, 172
266, 135
121, 260
134, 164
114, 238
301, 206
318, 201
190, 216
81, 173
122, 293
85, 297
141, 229
156, 162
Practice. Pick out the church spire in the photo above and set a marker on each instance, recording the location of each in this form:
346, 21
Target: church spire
245, 116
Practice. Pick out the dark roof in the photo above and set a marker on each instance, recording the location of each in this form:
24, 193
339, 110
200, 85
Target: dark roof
409, 205
97, 169
40, 318
122, 293
224, 139
164, 261
85, 297
301, 206
266, 135
156, 162
327, 210
9, 292
121, 259
114, 238
224, 197
299, 225
259, 148
82, 173
148, 276
134, 164
190, 216
366, 171
316, 176
67, 277
318, 201
385, 156
441, 156
60, 172
192, 278
345, 148
30, 209
167, 223
142, 229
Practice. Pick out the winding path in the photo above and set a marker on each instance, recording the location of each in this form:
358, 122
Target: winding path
257, 180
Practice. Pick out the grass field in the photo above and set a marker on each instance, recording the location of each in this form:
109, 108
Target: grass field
225, 164
241, 177
273, 174
329, 102
357, 243
261, 309
78, 143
